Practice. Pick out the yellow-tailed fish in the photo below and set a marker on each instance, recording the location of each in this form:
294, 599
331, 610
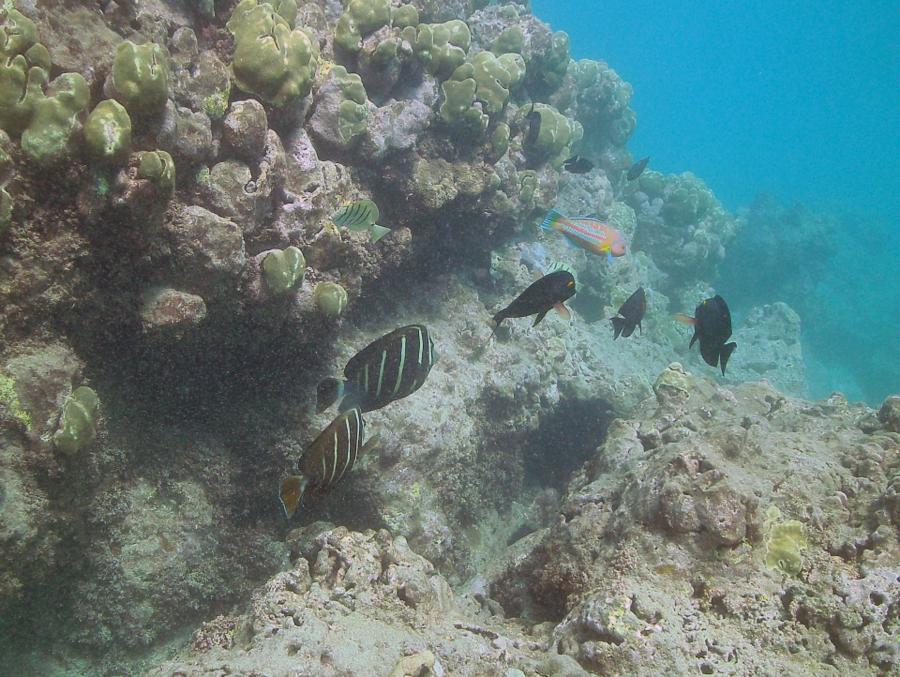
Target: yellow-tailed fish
327, 460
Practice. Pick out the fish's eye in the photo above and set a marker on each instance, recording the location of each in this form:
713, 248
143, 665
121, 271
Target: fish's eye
570, 284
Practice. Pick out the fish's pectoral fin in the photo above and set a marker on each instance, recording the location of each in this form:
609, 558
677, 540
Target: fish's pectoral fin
377, 232
562, 311
291, 492
685, 319
374, 441
540, 317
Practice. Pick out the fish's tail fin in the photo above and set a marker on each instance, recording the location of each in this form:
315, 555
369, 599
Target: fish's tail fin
329, 391
618, 325
725, 353
291, 493
377, 232
553, 217
494, 324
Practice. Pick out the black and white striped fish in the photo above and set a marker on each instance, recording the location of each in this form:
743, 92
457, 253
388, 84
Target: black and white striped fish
388, 369
327, 460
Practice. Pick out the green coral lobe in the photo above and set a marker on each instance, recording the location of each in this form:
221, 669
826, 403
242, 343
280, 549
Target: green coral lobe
283, 269
331, 298
784, 543
10, 399
77, 427
271, 60
140, 77
157, 166
107, 132
55, 118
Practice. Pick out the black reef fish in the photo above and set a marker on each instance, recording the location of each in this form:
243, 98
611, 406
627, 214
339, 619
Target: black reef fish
327, 460
534, 126
712, 327
637, 168
578, 165
548, 292
631, 312
388, 369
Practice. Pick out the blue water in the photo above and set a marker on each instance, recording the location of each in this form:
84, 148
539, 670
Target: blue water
800, 100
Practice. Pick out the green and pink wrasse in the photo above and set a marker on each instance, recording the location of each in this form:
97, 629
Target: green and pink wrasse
588, 233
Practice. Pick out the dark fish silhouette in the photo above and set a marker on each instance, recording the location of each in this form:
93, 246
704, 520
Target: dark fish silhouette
637, 168
327, 460
578, 165
546, 293
388, 369
632, 312
712, 327
534, 126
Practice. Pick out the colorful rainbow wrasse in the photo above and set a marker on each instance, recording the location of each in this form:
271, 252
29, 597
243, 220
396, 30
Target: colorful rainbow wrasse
588, 233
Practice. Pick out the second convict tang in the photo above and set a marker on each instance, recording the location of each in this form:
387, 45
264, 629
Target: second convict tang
388, 369
327, 460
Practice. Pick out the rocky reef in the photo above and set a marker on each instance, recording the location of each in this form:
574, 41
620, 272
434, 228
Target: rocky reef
717, 530
173, 287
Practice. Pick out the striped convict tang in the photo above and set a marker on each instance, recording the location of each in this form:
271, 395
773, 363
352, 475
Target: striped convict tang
388, 369
327, 460
359, 216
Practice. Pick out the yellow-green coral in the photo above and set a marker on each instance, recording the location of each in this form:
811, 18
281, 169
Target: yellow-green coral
459, 108
331, 298
441, 47
140, 77
360, 18
495, 77
107, 132
784, 542
353, 114
54, 119
10, 399
77, 424
556, 136
283, 269
158, 167
24, 69
271, 61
